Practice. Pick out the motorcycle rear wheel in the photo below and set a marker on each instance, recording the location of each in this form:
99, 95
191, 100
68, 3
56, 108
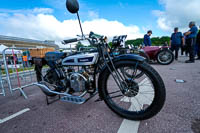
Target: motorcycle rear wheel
128, 105
44, 80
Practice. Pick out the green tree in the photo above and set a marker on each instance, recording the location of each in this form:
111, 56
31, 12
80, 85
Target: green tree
78, 45
156, 41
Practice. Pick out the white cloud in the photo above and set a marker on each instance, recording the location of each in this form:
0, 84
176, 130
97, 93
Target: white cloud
28, 11
4, 15
47, 27
42, 10
93, 15
157, 13
177, 13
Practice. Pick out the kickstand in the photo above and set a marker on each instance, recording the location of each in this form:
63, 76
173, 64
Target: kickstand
98, 100
53, 99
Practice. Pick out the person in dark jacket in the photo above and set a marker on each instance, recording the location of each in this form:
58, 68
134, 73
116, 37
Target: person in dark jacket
147, 40
185, 46
192, 34
176, 41
198, 45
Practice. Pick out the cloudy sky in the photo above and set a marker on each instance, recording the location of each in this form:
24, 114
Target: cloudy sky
49, 20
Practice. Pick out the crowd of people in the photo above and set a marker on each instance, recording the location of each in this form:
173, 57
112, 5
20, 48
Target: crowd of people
188, 42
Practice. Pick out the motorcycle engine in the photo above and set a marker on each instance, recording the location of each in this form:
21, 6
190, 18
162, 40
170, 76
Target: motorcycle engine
56, 77
79, 81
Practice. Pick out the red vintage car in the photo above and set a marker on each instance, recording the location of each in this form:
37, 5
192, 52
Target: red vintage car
162, 54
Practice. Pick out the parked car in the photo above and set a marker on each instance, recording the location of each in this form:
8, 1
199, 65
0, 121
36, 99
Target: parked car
162, 54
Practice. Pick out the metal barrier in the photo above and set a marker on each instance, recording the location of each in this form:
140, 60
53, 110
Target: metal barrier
19, 73
2, 84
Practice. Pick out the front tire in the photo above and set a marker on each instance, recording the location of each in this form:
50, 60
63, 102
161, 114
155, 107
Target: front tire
127, 105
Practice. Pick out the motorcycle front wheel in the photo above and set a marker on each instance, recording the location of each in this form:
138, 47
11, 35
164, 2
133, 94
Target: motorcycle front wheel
136, 98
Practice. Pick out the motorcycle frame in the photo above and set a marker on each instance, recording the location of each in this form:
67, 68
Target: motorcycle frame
105, 61
102, 49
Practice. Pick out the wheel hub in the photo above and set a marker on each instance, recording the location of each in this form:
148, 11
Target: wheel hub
164, 57
130, 88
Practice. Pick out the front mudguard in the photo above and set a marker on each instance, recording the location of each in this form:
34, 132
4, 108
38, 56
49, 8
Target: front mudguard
132, 57
124, 57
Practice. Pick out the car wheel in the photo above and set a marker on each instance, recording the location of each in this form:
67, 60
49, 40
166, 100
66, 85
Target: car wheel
165, 57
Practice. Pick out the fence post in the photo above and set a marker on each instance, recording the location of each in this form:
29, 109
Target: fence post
1, 82
8, 76
6, 70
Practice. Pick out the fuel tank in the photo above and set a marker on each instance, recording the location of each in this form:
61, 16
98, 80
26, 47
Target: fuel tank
84, 59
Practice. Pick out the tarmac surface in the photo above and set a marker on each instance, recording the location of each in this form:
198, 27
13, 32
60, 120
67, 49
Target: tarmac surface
180, 114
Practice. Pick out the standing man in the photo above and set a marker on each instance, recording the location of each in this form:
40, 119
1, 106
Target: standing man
192, 34
147, 40
198, 45
175, 42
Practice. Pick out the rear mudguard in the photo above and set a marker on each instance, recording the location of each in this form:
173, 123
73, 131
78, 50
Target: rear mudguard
124, 57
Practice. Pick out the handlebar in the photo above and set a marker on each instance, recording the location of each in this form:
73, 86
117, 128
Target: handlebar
70, 40
91, 36
96, 36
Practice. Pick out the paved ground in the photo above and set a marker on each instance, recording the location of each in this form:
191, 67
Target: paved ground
180, 114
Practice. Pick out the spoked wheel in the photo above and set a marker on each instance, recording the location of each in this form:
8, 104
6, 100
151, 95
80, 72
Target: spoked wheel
137, 98
128, 71
49, 82
165, 57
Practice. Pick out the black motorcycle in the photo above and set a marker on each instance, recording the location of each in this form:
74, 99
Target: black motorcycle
77, 78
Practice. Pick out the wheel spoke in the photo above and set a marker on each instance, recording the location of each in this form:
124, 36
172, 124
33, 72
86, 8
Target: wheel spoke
152, 93
146, 97
114, 92
140, 105
110, 97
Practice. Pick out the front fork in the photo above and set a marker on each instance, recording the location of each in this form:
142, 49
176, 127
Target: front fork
119, 79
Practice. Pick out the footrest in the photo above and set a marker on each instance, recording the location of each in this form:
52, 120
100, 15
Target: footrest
73, 99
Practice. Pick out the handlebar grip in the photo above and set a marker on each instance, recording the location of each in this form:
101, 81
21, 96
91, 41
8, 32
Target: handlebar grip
93, 35
70, 40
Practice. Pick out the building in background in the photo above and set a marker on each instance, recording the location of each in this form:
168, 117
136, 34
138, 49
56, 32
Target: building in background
26, 43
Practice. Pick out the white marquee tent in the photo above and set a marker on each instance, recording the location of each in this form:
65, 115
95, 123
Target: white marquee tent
9, 51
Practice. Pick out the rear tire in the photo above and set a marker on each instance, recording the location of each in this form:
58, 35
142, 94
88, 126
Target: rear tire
151, 110
40, 79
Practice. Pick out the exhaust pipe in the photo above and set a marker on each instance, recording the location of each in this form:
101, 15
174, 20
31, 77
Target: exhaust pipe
46, 89
65, 96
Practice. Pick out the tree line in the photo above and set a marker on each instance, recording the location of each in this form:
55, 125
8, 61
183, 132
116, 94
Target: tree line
156, 41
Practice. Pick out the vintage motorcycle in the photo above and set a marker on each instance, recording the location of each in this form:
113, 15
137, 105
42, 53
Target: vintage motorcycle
74, 77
